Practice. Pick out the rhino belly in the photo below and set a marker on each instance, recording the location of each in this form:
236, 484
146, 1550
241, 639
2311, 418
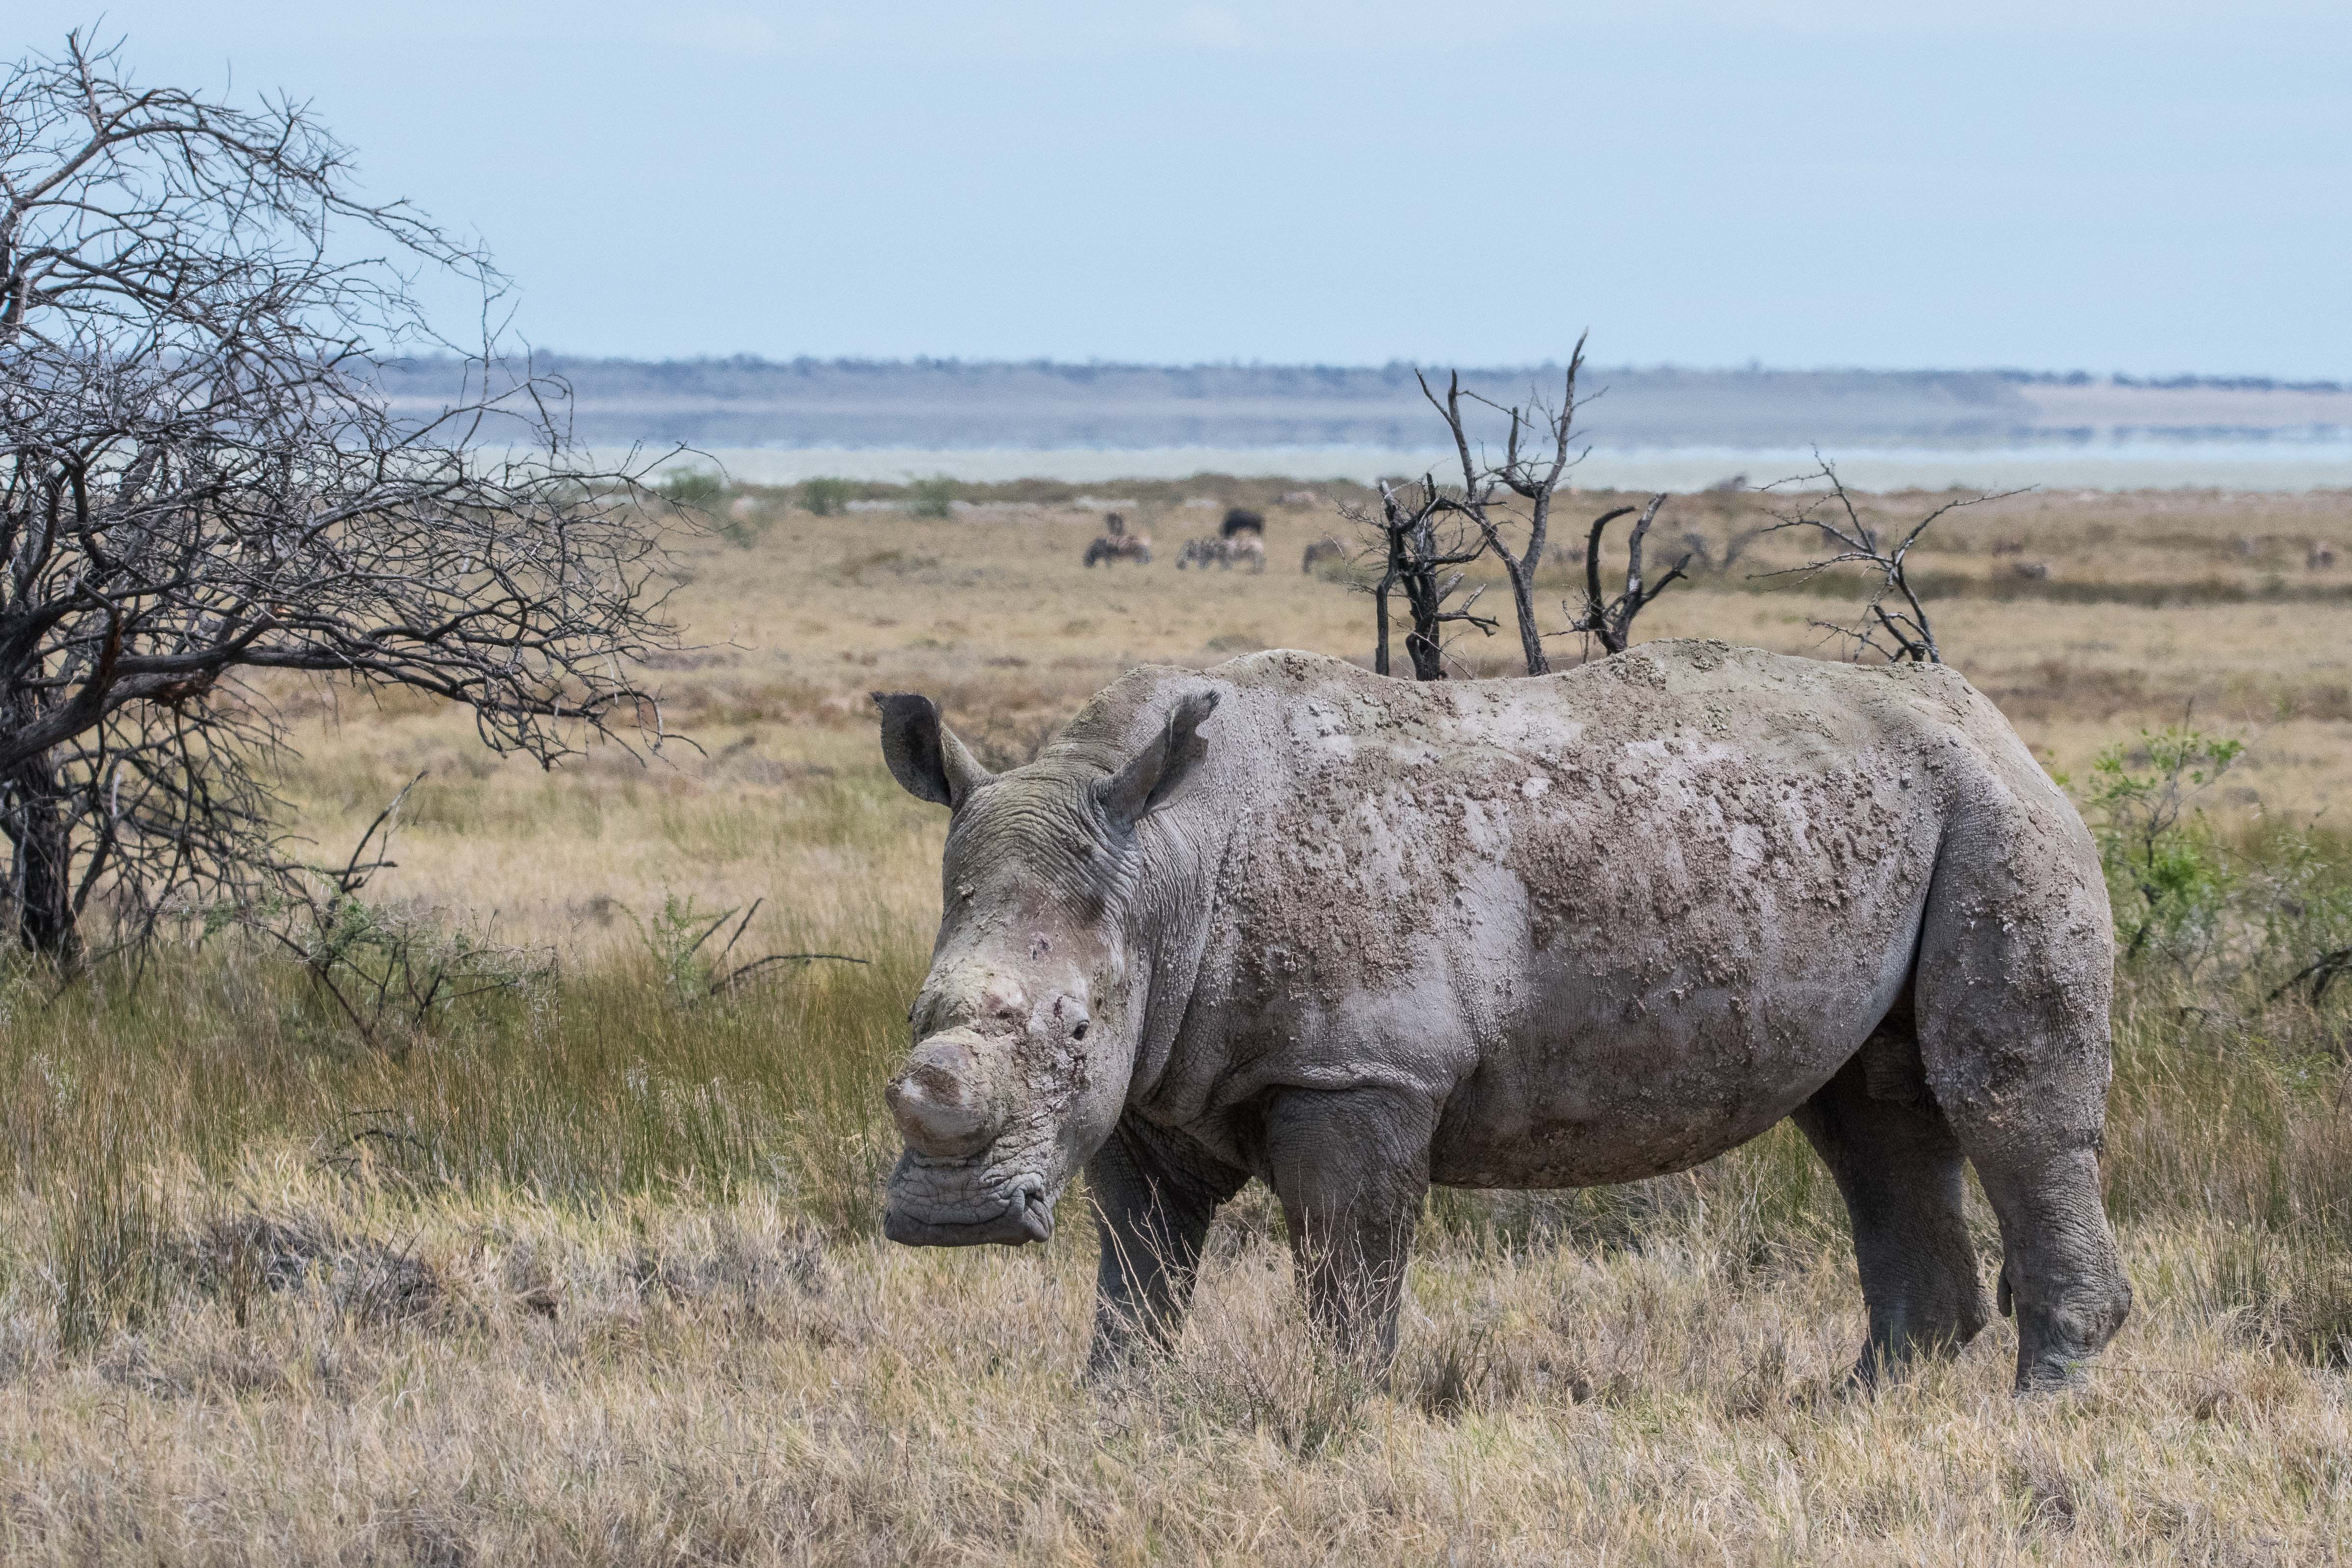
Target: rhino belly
1592, 1085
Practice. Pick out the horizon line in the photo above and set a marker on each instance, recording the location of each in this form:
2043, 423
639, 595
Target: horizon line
2014, 375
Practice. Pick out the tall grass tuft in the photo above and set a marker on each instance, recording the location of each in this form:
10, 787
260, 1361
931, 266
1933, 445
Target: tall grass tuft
605, 1082
109, 1247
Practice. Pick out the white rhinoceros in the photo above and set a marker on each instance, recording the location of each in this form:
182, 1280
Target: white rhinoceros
1357, 935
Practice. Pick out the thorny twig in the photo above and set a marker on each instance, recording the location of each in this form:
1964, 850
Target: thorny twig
1898, 634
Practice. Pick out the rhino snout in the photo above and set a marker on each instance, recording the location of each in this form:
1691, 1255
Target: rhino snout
939, 1101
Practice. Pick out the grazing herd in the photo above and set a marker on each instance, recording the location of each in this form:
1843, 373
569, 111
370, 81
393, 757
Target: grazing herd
1240, 540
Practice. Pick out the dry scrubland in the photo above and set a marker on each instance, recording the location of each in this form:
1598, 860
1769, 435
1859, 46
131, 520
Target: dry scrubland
593, 1273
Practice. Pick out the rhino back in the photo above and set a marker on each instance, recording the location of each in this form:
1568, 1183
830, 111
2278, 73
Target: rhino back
1615, 920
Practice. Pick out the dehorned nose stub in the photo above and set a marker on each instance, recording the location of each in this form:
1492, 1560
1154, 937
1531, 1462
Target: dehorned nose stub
936, 1101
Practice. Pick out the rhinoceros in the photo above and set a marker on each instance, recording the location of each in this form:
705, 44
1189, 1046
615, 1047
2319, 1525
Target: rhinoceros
1351, 936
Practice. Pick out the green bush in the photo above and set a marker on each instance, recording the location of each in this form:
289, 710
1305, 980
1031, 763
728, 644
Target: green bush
933, 497
2168, 877
824, 496
695, 488
2214, 924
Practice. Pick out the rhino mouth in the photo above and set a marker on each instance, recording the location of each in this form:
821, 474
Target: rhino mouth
1009, 1212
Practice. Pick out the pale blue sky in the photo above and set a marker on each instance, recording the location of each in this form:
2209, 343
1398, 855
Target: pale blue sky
2153, 187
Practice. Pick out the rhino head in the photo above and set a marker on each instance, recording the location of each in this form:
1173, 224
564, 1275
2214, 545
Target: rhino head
1026, 1028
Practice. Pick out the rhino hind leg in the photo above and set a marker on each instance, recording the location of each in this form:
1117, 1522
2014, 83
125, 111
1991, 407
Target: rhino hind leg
2014, 978
1899, 1169
1351, 1169
1153, 1204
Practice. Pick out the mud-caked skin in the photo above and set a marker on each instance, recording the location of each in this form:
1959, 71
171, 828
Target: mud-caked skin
1353, 936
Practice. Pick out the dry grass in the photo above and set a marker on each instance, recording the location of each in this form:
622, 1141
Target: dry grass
592, 1275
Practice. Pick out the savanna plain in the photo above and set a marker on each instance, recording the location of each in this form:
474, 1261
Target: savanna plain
586, 1266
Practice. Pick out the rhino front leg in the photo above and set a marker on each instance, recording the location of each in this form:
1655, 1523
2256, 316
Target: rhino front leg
1153, 1202
1351, 1168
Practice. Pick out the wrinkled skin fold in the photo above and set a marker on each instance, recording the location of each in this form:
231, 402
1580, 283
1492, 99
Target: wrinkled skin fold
1287, 920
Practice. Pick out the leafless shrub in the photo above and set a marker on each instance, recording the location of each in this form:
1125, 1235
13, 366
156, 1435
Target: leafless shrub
1900, 633
199, 480
1612, 621
1507, 503
1424, 539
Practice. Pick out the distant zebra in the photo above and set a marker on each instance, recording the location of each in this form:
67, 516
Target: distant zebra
1205, 553
1330, 547
1117, 544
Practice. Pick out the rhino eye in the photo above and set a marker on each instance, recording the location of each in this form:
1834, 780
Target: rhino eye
1080, 1033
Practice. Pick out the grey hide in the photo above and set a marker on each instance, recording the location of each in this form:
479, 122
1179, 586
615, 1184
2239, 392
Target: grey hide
1351, 936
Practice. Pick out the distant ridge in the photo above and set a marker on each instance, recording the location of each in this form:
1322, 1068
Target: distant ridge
949, 403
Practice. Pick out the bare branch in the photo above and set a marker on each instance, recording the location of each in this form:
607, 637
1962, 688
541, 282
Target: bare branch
1899, 634
1532, 481
1612, 621
1419, 536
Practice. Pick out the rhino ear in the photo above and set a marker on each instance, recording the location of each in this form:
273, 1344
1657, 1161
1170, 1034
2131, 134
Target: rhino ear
924, 754
1160, 768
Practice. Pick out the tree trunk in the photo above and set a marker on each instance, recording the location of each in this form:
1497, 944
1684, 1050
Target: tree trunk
1425, 642
38, 823
1523, 603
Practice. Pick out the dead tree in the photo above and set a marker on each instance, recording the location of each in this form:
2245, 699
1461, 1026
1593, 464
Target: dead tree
201, 485
1514, 496
1612, 621
1424, 545
1894, 621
